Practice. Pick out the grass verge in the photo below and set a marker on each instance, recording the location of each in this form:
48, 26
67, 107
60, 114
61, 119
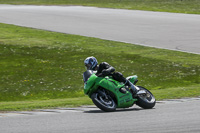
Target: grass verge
169, 93
178, 6
46, 67
37, 104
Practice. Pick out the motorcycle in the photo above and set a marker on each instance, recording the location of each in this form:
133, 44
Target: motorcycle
109, 94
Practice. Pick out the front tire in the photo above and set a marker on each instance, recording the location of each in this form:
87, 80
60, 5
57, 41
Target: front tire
105, 103
146, 101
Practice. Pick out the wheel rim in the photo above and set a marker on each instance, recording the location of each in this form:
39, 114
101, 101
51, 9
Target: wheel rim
148, 97
106, 101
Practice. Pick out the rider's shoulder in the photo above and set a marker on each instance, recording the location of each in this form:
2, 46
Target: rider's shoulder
104, 63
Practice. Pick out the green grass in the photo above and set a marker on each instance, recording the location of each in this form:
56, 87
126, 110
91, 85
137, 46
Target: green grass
160, 94
178, 6
37, 104
41, 66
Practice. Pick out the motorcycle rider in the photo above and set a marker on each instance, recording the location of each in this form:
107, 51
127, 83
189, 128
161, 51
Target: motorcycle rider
104, 69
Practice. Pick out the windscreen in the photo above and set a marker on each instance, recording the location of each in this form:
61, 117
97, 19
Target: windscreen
86, 75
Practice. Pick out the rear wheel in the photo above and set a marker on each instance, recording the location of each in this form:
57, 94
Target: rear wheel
146, 101
103, 101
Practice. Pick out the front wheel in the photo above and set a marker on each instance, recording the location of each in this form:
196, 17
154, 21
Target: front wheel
146, 101
103, 101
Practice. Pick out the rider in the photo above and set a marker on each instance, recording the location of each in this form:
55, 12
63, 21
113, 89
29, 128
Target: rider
104, 69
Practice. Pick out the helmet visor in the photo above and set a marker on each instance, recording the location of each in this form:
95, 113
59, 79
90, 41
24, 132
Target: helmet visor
87, 66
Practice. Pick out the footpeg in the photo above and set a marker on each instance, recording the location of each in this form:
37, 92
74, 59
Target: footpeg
123, 90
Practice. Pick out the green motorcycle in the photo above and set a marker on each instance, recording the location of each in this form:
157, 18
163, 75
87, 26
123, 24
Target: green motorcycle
109, 94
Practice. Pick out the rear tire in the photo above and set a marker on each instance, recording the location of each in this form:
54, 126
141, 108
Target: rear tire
146, 101
106, 104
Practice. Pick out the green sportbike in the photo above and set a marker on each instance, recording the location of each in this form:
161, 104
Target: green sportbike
109, 94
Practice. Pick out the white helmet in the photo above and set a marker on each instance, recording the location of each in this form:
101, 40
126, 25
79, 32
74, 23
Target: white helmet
90, 63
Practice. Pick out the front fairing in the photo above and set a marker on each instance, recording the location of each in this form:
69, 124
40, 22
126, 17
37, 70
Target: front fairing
89, 84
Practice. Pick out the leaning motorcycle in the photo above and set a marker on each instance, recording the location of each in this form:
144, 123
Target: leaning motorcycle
109, 94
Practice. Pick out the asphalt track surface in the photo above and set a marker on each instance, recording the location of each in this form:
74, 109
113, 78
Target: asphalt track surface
156, 29
174, 116
163, 30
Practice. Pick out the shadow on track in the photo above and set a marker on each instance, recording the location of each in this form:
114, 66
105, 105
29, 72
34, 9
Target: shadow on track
118, 110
